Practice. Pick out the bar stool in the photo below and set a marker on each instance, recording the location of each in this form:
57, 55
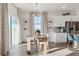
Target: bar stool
70, 38
76, 43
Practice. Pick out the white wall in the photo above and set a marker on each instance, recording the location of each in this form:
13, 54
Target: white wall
25, 32
22, 17
12, 10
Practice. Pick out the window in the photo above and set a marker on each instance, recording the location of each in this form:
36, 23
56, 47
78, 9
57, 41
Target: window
37, 23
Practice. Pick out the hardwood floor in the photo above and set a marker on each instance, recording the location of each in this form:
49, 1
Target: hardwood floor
20, 50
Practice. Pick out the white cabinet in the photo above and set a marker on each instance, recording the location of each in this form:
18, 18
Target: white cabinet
61, 38
76, 18
71, 18
59, 21
58, 37
52, 37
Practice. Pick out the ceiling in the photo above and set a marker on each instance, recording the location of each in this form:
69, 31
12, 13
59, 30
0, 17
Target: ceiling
48, 6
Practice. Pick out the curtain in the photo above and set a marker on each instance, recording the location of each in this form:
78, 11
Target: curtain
0, 29
44, 23
31, 24
5, 28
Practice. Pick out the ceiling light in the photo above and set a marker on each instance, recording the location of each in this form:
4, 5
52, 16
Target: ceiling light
64, 7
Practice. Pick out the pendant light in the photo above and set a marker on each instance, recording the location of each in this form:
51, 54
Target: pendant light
36, 13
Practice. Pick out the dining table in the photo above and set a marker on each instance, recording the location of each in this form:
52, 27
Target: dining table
39, 41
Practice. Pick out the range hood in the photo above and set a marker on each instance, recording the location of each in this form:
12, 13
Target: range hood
66, 14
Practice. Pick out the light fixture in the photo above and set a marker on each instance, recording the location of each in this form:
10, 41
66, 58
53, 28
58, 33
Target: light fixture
63, 7
36, 13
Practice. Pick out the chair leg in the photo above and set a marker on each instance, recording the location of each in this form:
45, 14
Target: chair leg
75, 52
75, 47
68, 44
39, 48
47, 45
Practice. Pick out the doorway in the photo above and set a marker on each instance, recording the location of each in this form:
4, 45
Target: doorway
13, 31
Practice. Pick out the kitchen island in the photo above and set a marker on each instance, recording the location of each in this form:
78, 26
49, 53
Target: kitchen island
58, 37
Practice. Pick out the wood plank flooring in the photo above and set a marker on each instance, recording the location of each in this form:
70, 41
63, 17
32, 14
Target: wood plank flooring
20, 50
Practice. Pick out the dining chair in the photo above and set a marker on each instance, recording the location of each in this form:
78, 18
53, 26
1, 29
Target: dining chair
43, 45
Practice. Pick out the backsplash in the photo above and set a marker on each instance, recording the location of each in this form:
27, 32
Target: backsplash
59, 29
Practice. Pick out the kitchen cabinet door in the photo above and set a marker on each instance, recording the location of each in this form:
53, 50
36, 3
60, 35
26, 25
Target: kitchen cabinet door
59, 21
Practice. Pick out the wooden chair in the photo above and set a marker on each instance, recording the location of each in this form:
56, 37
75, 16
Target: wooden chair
43, 44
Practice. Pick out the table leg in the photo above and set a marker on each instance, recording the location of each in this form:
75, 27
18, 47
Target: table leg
45, 48
37, 45
28, 46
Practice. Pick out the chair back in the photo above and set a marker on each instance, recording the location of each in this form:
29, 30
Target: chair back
71, 37
76, 37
